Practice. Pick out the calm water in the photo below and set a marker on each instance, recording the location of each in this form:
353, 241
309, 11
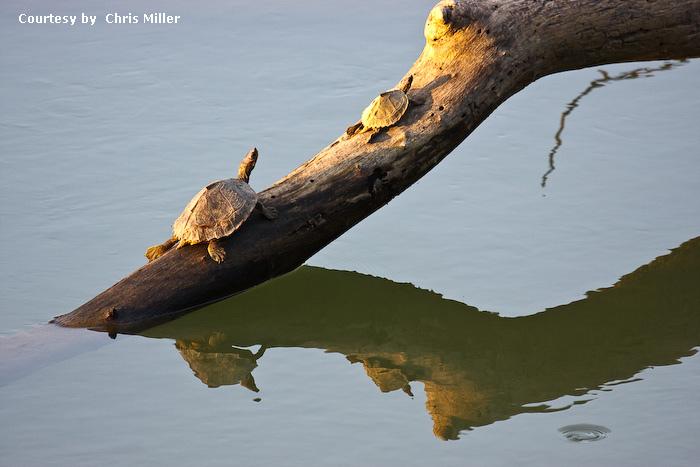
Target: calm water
107, 132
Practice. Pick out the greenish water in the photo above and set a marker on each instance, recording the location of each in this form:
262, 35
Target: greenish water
106, 133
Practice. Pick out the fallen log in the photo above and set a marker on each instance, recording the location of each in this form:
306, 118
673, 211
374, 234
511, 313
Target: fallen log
478, 53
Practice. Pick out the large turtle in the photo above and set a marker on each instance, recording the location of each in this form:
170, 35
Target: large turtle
385, 110
217, 211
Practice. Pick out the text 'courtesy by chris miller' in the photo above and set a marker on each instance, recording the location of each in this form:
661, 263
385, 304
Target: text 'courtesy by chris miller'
91, 20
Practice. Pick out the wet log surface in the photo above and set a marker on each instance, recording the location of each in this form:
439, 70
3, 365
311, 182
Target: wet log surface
477, 55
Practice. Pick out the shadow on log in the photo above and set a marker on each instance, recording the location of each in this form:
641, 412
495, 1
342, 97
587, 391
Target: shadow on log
476, 367
477, 54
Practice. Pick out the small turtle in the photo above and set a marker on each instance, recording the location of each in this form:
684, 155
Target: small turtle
385, 110
217, 211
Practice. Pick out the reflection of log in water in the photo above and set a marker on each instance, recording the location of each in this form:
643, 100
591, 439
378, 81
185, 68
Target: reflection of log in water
477, 367
644, 72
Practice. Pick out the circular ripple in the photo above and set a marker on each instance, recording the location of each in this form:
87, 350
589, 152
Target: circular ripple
584, 432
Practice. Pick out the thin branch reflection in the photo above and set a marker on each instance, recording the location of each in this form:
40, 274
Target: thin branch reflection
644, 72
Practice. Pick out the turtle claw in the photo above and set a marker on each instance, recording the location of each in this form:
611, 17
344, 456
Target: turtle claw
216, 251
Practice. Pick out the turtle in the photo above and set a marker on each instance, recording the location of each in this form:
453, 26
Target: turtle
385, 110
217, 211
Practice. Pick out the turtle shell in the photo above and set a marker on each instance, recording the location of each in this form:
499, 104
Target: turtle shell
385, 110
216, 211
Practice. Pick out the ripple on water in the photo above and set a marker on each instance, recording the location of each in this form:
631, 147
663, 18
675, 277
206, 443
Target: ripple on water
584, 432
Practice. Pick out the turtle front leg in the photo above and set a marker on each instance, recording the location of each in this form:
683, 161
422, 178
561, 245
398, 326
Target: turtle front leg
157, 251
270, 213
216, 251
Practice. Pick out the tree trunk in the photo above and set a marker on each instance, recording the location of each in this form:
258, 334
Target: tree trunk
477, 54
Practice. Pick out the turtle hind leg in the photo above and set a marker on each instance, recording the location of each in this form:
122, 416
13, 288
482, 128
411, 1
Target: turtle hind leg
353, 129
269, 212
156, 251
216, 251
373, 135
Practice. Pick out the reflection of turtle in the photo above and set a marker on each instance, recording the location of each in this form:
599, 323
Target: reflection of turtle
385, 374
220, 365
216, 211
385, 110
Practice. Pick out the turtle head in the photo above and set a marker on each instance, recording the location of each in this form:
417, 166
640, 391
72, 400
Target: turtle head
406, 83
247, 165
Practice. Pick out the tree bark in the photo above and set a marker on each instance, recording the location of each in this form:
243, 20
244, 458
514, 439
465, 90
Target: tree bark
477, 54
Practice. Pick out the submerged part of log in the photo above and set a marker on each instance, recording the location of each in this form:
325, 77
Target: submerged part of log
477, 54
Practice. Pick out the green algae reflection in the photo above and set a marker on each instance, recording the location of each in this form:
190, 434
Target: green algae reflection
476, 367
